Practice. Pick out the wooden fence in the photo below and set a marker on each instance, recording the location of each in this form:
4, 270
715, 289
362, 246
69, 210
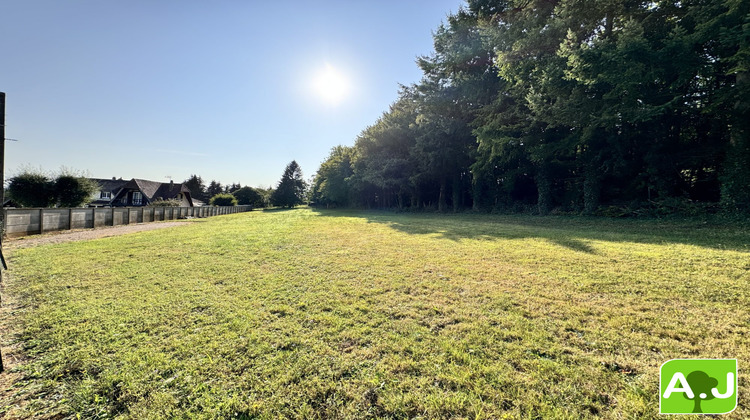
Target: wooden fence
30, 221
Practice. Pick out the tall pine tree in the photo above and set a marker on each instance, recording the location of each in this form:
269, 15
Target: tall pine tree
291, 188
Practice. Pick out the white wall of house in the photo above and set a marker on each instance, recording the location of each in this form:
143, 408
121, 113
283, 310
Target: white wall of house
102, 195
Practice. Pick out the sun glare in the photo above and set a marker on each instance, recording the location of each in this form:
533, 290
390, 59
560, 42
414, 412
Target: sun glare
330, 85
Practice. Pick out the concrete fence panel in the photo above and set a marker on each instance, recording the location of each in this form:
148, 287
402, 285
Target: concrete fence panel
22, 222
102, 217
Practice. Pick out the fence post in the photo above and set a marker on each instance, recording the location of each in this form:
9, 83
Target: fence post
70, 218
41, 221
93, 218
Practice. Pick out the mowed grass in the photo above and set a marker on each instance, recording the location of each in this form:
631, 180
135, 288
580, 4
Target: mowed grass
333, 314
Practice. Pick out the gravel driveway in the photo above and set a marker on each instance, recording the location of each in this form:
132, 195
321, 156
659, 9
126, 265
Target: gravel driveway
83, 234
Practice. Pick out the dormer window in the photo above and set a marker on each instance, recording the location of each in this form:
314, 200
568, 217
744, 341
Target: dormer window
106, 195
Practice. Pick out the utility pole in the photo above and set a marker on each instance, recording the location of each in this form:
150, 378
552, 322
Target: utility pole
2, 193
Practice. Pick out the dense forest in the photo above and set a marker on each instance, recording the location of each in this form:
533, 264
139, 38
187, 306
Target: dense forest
607, 106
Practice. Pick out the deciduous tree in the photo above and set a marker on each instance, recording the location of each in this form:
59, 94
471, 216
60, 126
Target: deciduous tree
248, 196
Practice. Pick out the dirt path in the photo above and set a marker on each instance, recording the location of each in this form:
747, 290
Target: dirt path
83, 234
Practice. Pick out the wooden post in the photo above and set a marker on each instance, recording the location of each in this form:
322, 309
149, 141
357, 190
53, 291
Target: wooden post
113, 216
2, 190
70, 218
93, 218
41, 221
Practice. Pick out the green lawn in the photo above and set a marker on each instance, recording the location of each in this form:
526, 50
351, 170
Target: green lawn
332, 314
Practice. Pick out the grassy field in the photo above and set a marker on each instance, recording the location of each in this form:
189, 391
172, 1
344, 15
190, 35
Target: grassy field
332, 314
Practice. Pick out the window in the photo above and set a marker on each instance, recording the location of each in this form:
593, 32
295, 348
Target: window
137, 198
106, 194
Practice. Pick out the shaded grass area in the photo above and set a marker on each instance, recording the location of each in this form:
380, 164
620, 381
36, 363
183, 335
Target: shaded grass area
332, 314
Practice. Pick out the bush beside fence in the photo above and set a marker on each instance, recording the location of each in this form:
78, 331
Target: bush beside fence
30, 221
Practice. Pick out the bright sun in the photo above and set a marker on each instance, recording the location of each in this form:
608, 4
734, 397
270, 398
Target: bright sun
330, 85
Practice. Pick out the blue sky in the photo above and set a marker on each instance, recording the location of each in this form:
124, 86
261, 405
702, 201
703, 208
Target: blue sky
222, 89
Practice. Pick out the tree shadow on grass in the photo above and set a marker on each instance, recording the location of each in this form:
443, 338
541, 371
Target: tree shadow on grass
276, 209
571, 232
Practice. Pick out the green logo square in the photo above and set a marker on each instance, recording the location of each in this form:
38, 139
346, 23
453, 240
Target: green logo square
698, 386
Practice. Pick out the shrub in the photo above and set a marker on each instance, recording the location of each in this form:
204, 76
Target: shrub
164, 203
32, 188
223, 200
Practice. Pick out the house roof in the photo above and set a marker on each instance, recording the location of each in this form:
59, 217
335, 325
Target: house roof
153, 190
112, 185
169, 190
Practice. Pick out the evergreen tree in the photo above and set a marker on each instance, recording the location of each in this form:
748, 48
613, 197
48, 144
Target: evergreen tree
290, 190
214, 188
197, 187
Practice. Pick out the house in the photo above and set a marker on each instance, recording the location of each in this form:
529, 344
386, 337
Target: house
140, 192
108, 188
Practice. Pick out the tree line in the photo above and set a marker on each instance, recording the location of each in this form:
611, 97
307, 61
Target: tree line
290, 191
68, 188
613, 107
36, 188
227, 195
